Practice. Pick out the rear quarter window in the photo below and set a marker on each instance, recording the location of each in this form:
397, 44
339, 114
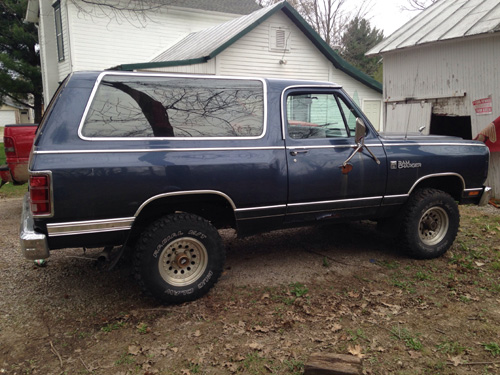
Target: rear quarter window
175, 107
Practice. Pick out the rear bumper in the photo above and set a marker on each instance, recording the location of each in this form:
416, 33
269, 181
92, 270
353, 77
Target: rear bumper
33, 244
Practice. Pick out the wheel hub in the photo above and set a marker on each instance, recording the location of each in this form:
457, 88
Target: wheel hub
430, 224
183, 261
433, 226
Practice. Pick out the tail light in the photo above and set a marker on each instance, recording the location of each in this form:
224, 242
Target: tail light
10, 150
40, 195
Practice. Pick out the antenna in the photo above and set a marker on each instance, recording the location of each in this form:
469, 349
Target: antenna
412, 96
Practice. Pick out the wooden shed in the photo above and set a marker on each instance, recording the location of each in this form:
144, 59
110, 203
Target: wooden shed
441, 72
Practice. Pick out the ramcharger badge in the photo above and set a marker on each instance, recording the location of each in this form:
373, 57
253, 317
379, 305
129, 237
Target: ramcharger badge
402, 164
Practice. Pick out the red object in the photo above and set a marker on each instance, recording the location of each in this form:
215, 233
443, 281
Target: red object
491, 135
18, 140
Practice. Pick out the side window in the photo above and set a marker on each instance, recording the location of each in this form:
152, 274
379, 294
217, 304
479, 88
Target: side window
315, 115
135, 106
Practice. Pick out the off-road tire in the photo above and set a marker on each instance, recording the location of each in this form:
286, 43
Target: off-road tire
429, 224
179, 258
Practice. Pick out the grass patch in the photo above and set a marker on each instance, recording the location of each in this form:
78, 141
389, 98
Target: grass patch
411, 341
9, 190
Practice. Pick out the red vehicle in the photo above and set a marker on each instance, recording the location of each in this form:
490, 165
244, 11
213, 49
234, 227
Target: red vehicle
17, 140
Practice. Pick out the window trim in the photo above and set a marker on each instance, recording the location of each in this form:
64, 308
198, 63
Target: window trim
59, 35
370, 131
186, 76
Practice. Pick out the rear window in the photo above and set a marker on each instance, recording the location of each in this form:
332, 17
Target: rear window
155, 106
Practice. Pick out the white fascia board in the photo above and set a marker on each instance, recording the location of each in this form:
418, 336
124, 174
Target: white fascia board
32, 11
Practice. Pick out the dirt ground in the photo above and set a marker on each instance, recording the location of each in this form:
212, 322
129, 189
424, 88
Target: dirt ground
283, 296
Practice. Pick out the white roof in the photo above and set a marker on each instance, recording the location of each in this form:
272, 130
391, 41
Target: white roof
444, 20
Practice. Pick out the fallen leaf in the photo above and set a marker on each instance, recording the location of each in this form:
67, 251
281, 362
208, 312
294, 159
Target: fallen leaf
336, 327
255, 346
457, 360
356, 351
261, 329
197, 333
233, 367
134, 350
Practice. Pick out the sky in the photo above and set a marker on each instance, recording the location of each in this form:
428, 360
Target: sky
387, 15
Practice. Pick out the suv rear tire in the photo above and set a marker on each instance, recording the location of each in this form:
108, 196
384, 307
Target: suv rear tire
179, 258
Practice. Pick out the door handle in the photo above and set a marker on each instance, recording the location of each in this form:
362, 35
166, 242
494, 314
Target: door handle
296, 152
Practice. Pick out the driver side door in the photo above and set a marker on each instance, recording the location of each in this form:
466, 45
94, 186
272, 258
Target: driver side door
319, 126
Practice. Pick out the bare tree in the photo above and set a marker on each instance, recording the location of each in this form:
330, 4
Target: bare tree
418, 4
329, 18
134, 12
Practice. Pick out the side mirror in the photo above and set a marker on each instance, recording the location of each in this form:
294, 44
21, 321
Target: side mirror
360, 130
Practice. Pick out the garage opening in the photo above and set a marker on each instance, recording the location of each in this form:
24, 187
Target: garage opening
458, 126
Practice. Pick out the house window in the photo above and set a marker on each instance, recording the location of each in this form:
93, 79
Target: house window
279, 38
59, 31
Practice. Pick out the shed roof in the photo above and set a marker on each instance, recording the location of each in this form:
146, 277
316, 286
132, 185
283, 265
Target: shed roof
199, 47
444, 20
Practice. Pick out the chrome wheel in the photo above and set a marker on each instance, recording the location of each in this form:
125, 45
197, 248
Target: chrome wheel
183, 261
433, 226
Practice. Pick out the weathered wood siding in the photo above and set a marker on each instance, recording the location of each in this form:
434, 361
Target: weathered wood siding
441, 71
450, 76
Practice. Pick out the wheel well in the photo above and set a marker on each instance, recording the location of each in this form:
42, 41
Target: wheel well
452, 185
211, 207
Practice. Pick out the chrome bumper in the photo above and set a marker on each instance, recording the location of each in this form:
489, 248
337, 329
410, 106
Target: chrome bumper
486, 196
33, 244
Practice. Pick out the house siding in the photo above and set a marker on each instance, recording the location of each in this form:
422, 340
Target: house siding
48, 53
99, 43
303, 60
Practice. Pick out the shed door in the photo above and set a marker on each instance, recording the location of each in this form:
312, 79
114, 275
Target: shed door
7, 117
408, 117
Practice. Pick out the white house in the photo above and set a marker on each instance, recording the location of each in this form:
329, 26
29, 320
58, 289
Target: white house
271, 42
75, 35
194, 36
441, 71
